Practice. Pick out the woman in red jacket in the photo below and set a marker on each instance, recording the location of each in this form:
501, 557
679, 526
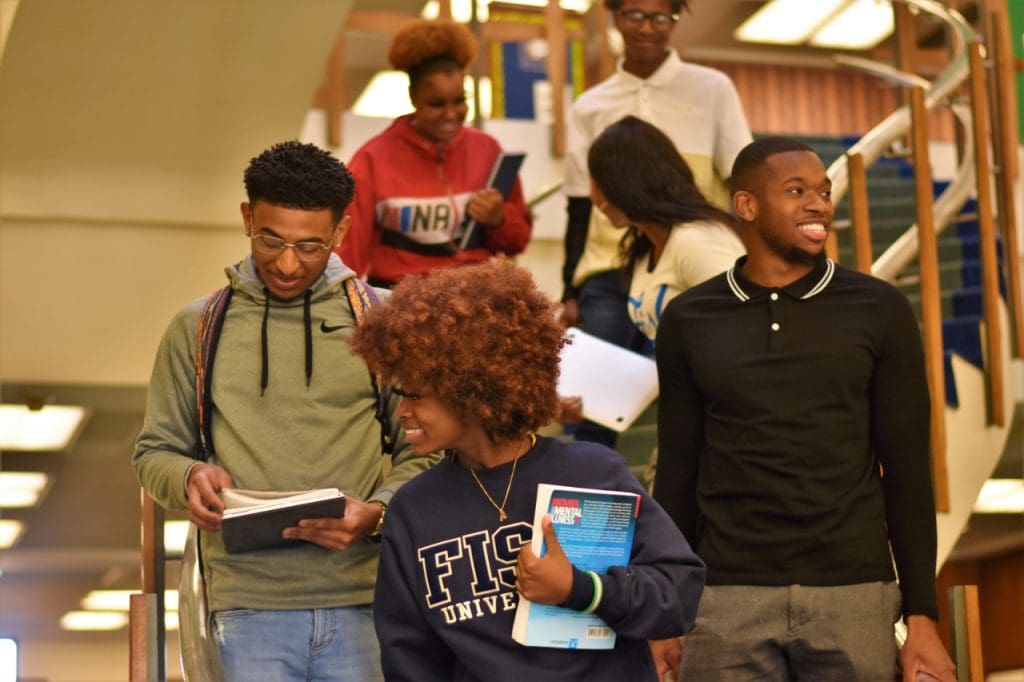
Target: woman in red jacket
420, 181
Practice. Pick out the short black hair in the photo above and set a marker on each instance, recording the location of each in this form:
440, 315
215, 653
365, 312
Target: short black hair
677, 5
751, 159
303, 176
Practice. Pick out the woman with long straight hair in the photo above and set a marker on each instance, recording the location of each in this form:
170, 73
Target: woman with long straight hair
674, 238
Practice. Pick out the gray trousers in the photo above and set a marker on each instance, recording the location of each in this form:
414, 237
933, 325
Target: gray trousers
794, 633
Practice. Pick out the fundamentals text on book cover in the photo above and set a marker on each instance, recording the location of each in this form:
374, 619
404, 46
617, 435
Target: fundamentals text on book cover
595, 529
254, 519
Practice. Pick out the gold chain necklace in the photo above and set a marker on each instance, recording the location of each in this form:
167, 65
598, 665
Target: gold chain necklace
508, 488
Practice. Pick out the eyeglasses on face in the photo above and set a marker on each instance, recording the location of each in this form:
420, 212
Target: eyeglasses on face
270, 245
635, 18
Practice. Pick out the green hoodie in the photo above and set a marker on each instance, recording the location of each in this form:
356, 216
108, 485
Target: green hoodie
295, 434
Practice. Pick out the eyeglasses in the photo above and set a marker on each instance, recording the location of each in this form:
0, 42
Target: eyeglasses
634, 18
270, 245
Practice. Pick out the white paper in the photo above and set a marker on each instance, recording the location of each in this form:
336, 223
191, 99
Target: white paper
240, 502
616, 384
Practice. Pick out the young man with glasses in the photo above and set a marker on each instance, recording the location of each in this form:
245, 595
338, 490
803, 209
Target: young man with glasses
291, 408
699, 110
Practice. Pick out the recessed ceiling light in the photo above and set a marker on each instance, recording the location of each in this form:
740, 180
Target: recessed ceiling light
49, 428
21, 488
844, 24
461, 9
119, 600
387, 96
1001, 496
94, 620
859, 26
10, 532
788, 22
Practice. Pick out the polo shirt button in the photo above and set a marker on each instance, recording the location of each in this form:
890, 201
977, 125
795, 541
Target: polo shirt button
775, 326
774, 296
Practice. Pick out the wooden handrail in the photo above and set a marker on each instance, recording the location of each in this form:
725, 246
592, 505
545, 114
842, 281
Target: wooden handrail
1007, 136
987, 237
153, 572
965, 633
931, 308
832, 246
862, 251
143, 644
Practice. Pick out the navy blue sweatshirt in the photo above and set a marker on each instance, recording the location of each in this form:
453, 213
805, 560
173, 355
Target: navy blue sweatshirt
446, 594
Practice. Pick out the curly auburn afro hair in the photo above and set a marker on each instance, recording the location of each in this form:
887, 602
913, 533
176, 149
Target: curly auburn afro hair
481, 336
427, 46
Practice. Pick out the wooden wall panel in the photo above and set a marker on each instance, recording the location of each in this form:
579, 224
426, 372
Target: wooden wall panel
808, 101
1002, 608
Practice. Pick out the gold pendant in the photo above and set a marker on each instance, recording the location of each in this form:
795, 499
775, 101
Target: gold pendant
502, 515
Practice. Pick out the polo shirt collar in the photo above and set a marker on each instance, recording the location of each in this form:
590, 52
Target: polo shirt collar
664, 75
811, 284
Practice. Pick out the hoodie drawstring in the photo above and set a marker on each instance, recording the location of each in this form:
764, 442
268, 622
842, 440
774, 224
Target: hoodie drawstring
263, 342
306, 318
309, 337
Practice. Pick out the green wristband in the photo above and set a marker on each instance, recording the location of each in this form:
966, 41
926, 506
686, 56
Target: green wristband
598, 593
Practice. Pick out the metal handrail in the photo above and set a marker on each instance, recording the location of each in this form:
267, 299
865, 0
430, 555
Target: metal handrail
879, 139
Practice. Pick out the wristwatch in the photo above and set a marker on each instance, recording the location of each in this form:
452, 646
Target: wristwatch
375, 533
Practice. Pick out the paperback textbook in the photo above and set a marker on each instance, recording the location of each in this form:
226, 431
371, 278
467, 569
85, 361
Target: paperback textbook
595, 529
254, 519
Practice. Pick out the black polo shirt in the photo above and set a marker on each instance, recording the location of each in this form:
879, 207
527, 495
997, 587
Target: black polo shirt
778, 408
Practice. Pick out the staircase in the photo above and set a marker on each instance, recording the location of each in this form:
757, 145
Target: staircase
973, 446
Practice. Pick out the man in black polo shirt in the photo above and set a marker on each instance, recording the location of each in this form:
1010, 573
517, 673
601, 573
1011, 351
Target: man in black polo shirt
788, 384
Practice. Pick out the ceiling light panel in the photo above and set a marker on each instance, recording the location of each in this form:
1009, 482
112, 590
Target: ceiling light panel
50, 428
10, 532
94, 620
861, 25
787, 22
120, 600
462, 9
21, 488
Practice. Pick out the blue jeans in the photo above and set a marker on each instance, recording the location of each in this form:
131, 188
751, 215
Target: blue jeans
603, 313
323, 645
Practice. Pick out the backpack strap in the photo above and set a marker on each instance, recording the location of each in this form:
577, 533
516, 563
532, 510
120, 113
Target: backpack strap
361, 297
211, 321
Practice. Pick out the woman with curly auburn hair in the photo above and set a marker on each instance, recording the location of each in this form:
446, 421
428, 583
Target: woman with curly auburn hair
419, 181
474, 352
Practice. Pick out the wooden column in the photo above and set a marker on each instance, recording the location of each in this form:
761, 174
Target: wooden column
1007, 138
554, 30
605, 58
987, 237
332, 95
863, 255
931, 307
